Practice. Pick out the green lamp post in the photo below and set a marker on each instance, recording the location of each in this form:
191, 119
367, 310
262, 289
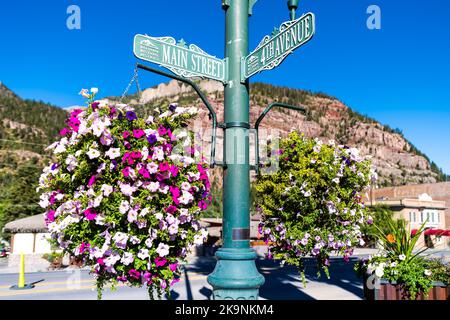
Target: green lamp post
235, 276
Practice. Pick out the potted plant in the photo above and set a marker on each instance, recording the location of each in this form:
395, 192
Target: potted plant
55, 259
399, 272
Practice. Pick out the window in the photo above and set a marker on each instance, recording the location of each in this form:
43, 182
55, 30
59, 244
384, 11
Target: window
412, 216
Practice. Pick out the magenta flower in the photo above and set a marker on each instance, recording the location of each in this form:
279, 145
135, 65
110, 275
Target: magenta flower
100, 261
50, 216
138, 133
90, 214
162, 131
74, 123
147, 276
125, 134
136, 155
202, 205
134, 274
52, 198
171, 209
160, 177
173, 266
126, 171
160, 262
91, 181
175, 191
163, 166
173, 171
144, 173
64, 131
174, 281
84, 246
127, 158
75, 113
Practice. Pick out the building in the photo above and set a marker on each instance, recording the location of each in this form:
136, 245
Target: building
419, 210
29, 236
437, 191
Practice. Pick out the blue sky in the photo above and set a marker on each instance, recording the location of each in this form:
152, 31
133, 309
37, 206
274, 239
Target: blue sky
399, 75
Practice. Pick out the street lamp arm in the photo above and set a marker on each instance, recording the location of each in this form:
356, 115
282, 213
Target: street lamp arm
212, 113
261, 117
277, 104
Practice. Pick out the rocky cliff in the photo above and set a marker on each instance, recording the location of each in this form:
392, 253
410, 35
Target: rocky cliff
396, 160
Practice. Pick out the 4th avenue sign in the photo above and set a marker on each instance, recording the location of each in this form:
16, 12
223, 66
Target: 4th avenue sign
272, 50
177, 57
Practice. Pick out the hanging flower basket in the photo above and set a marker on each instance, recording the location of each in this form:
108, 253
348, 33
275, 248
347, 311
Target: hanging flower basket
312, 205
125, 193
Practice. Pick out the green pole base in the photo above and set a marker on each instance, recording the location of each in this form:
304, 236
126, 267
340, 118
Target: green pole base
235, 276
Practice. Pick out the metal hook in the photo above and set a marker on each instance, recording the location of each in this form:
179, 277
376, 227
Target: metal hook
261, 117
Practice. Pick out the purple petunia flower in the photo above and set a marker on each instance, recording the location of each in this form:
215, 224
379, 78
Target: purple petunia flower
172, 107
151, 139
131, 115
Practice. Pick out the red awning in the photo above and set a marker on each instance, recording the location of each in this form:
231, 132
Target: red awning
434, 232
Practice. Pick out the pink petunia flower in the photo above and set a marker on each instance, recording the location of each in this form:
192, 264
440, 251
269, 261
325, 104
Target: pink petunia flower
173, 171
125, 134
173, 266
163, 166
144, 173
162, 131
126, 171
90, 214
91, 181
160, 262
138, 133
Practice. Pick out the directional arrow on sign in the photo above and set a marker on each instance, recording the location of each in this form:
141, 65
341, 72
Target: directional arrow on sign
273, 49
183, 60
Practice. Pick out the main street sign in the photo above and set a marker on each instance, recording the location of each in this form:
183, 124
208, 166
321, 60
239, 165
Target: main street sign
273, 49
177, 57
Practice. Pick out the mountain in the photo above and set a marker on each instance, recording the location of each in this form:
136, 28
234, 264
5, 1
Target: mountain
397, 161
26, 128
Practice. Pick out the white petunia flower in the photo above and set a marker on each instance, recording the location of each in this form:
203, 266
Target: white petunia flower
93, 153
113, 153
162, 250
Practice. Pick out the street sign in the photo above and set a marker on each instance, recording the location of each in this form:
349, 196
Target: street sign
179, 58
273, 49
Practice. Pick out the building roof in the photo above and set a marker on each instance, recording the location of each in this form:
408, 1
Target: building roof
412, 203
33, 224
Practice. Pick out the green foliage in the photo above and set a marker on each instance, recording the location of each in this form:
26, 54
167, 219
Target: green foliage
18, 198
382, 216
440, 270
